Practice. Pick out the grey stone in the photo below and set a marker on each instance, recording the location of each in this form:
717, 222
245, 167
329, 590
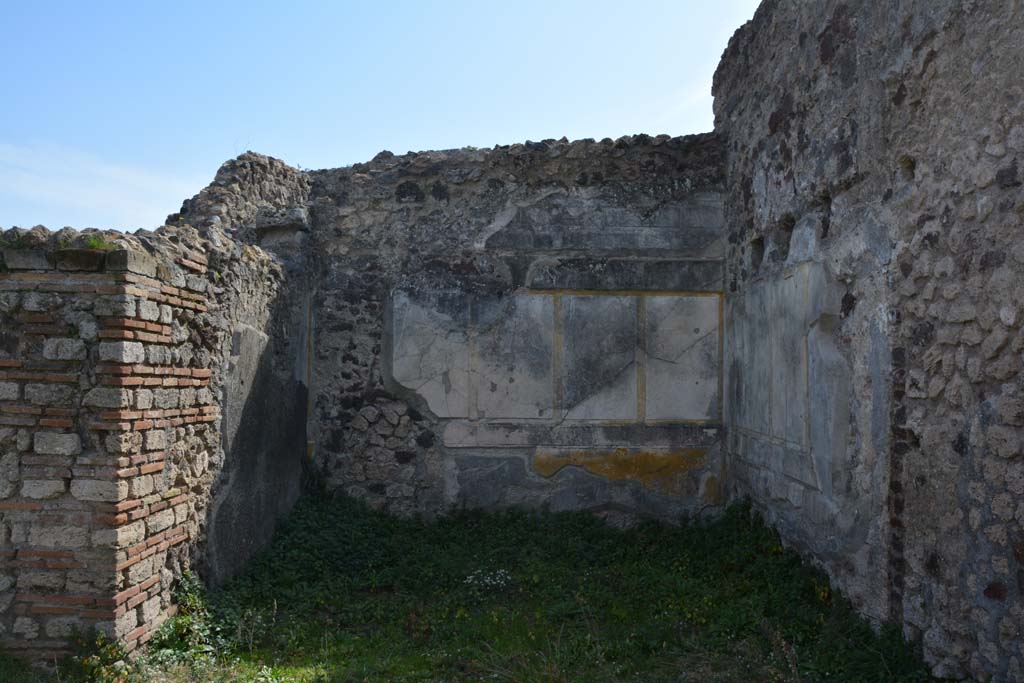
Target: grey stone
120, 305
149, 310
26, 259
99, 490
49, 394
9, 391
64, 349
108, 397
41, 302
9, 469
165, 398
143, 399
131, 260
156, 439
42, 488
122, 352
52, 443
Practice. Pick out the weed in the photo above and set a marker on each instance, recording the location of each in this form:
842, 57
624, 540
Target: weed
348, 594
13, 241
97, 242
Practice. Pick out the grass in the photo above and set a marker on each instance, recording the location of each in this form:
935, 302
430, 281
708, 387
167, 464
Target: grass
346, 594
17, 672
97, 242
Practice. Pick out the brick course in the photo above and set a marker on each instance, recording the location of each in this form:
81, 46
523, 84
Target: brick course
107, 428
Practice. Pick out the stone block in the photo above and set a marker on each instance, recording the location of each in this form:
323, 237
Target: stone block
156, 439
99, 490
41, 302
123, 536
122, 352
186, 397
141, 486
143, 399
150, 609
149, 310
159, 521
42, 488
59, 536
599, 380
181, 513
49, 394
196, 283
165, 398
108, 397
126, 622
9, 391
63, 627
29, 580
26, 259
158, 355
53, 443
132, 261
682, 364
119, 306
141, 571
79, 259
123, 442
514, 350
87, 330
9, 472
26, 628
64, 349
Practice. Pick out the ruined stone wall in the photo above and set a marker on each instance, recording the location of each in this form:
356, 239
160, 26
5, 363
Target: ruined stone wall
161, 391
874, 210
533, 325
125, 374
829, 282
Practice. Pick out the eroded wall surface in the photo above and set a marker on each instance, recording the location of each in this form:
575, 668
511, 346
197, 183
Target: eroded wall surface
535, 325
874, 209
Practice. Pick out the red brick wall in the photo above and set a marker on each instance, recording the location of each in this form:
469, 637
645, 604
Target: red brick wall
105, 432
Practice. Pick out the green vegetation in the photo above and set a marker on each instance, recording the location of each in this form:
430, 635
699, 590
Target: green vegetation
347, 594
97, 242
13, 241
15, 671
92, 241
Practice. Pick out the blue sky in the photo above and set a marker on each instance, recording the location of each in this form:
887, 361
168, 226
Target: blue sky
114, 112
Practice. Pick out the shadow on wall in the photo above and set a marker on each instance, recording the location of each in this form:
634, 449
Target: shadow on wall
264, 439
